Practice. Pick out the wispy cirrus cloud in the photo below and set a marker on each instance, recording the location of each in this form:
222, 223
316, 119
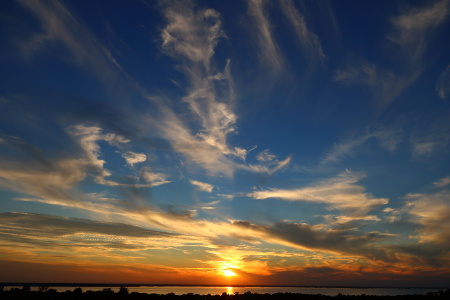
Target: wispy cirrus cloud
385, 84
309, 41
411, 32
267, 164
190, 37
412, 28
430, 139
443, 84
61, 26
442, 182
341, 192
387, 139
268, 48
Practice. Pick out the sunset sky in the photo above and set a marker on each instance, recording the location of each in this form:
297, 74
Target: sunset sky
225, 142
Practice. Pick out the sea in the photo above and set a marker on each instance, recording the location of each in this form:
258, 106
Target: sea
218, 290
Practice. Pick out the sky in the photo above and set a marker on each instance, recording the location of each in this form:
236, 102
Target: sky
225, 142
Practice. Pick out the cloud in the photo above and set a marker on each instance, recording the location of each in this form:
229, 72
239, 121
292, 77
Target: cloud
442, 182
265, 156
190, 37
313, 238
268, 163
202, 186
411, 33
413, 27
153, 178
61, 26
430, 213
309, 41
363, 72
443, 84
54, 179
133, 158
190, 34
268, 48
88, 138
422, 149
30, 172
385, 84
388, 139
340, 192
62, 226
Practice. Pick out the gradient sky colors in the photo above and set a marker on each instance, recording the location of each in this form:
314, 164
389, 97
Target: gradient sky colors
225, 142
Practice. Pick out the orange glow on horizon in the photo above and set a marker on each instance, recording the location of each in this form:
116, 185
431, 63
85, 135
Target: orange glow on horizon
228, 273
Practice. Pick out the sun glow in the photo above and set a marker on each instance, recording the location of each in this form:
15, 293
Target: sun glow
228, 273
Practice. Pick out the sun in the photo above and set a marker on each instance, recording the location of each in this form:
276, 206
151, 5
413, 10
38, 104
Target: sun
228, 273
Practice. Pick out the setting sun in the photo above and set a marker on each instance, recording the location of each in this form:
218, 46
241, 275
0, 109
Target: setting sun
228, 273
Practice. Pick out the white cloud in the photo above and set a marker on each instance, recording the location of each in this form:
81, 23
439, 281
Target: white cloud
340, 192
153, 178
268, 48
442, 182
268, 167
265, 156
202, 186
191, 36
133, 158
88, 138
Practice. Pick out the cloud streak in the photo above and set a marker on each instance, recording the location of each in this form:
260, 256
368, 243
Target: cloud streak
387, 139
309, 41
313, 238
340, 192
61, 26
268, 49
411, 33
202, 186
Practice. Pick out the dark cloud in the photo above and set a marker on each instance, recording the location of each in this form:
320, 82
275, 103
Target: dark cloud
60, 226
307, 236
320, 276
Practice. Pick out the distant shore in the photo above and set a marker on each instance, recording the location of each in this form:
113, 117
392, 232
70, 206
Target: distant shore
82, 284
44, 293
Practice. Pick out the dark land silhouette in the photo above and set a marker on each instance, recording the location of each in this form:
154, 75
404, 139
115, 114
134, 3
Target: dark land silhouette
46, 293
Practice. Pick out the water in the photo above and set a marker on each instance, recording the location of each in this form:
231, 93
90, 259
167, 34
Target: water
218, 290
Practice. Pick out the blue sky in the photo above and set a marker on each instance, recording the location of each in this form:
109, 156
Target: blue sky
279, 142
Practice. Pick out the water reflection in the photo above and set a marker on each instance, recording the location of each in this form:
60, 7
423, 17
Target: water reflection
230, 290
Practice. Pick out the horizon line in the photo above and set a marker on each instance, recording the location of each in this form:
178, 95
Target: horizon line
83, 284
